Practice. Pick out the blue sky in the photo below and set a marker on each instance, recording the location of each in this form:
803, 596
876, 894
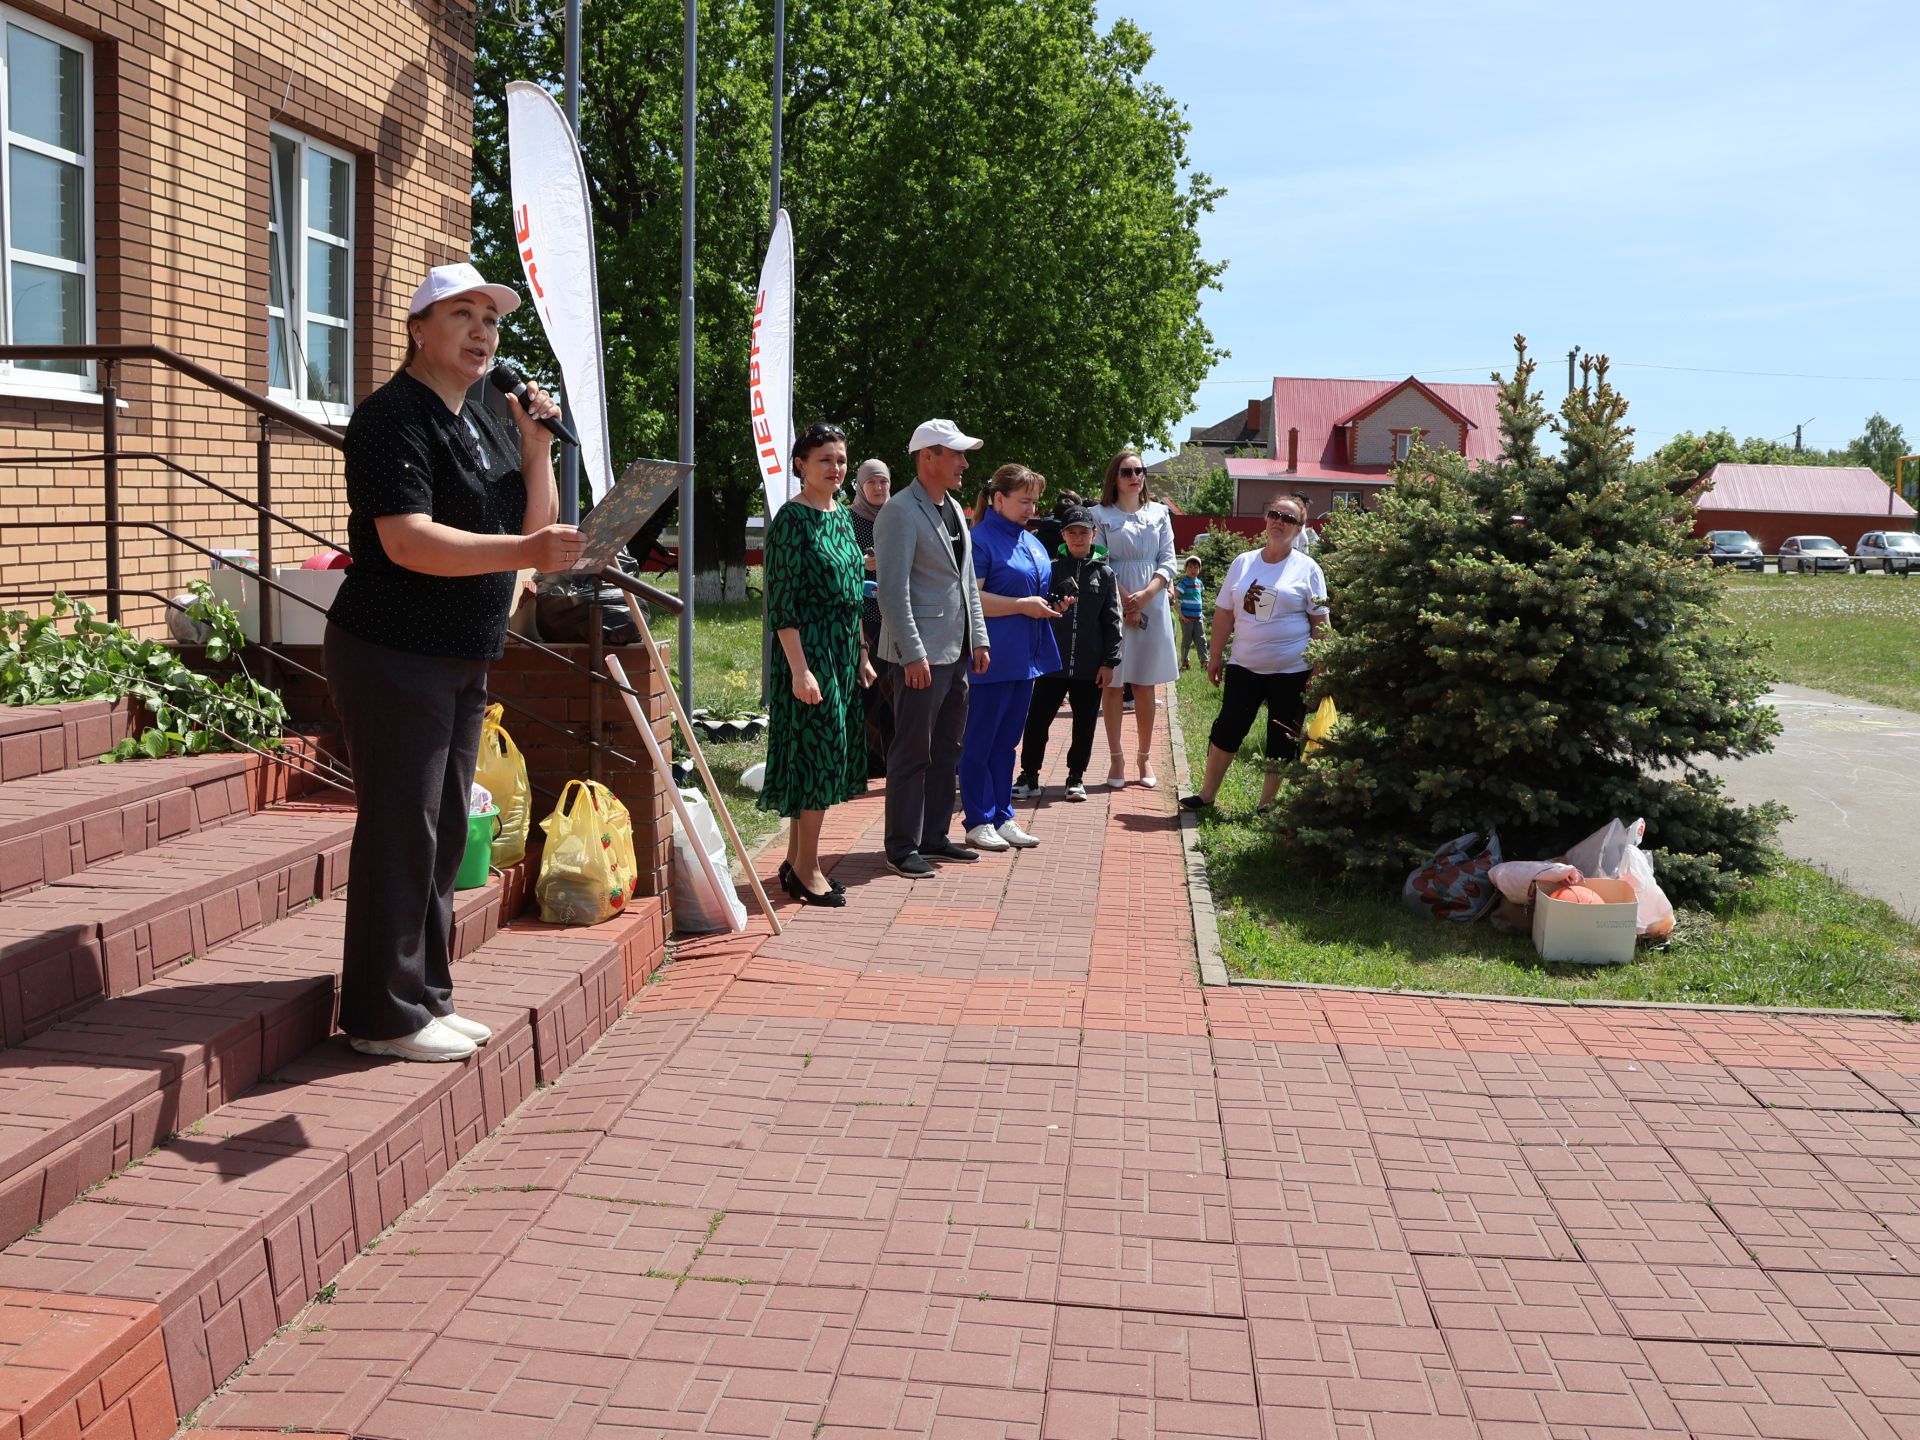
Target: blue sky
1705, 185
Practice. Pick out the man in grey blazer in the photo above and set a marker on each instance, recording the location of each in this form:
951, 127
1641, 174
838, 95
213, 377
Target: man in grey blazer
932, 632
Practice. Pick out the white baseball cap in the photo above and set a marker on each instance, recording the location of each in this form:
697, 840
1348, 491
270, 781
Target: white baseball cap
942, 432
445, 281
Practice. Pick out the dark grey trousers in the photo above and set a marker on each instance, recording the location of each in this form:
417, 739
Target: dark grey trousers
411, 725
928, 726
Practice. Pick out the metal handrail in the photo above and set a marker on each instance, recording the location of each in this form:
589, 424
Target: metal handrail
193, 370
271, 412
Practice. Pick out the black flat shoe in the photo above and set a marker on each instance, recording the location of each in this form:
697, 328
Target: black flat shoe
830, 898
786, 869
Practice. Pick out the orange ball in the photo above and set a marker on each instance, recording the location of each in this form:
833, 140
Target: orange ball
1576, 895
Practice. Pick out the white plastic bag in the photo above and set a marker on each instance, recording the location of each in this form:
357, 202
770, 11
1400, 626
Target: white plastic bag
694, 908
1614, 852
1516, 878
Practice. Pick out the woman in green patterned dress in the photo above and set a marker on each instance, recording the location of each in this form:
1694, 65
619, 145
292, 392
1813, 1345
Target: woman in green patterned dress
816, 743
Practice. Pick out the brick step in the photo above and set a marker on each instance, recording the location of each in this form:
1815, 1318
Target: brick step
56, 825
97, 1091
231, 1228
42, 739
113, 928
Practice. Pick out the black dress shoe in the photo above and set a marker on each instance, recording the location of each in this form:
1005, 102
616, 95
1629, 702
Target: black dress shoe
830, 898
786, 869
912, 865
947, 850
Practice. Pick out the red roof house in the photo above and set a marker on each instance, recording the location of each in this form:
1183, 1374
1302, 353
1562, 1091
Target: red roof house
1771, 502
1335, 441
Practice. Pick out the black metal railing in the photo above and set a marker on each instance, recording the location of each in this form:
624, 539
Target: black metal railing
112, 456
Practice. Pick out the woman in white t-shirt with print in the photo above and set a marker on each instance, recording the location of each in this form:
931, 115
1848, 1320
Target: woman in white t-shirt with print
1272, 605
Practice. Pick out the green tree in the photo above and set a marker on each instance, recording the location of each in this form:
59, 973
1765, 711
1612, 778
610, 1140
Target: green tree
1532, 644
1212, 495
1696, 454
1880, 444
994, 219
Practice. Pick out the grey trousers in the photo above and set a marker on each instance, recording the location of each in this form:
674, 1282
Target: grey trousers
411, 725
928, 726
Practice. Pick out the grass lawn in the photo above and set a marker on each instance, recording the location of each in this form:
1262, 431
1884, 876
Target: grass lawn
1797, 938
726, 678
1851, 634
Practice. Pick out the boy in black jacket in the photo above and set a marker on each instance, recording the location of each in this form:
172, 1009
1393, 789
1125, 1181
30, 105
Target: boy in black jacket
1086, 593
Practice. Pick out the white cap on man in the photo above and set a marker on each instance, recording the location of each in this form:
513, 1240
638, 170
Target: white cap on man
443, 282
943, 433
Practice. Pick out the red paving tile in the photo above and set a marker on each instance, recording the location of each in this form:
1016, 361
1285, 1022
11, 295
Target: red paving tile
979, 1157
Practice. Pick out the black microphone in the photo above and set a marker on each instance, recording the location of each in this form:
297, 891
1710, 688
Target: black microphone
509, 381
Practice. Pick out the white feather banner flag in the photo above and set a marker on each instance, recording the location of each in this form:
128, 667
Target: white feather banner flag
553, 222
770, 368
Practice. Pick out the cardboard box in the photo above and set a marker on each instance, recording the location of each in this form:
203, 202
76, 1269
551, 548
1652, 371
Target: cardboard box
1587, 934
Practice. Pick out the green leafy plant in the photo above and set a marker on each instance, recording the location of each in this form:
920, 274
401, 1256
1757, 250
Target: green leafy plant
44, 661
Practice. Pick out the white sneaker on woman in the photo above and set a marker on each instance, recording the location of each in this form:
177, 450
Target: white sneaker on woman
471, 1029
432, 1041
1016, 837
985, 837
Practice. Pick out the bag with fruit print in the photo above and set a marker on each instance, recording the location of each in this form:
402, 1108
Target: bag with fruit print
586, 870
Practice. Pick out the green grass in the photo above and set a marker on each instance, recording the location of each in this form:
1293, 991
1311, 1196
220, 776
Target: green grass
1851, 634
1796, 938
726, 679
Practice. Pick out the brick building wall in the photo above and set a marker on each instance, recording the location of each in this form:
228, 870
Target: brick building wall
185, 100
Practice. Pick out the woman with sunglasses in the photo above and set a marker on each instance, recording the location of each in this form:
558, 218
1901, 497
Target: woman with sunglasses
1272, 605
816, 741
1138, 534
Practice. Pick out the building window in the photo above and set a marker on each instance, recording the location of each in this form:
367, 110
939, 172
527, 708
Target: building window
1346, 500
310, 274
46, 90
1402, 444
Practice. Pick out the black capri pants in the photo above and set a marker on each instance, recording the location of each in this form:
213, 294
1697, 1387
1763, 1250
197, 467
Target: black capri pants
1242, 694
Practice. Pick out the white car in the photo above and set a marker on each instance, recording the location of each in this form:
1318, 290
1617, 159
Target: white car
1801, 553
1896, 552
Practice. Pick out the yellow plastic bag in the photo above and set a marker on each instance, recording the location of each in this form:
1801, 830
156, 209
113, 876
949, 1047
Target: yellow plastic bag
620, 827
581, 882
503, 771
1320, 725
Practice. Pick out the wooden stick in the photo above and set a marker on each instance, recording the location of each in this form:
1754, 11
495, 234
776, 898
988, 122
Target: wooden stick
700, 761
718, 888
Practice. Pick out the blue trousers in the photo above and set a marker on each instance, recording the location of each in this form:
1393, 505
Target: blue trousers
996, 716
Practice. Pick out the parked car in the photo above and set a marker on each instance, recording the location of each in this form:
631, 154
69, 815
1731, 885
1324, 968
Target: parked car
1800, 553
1897, 552
1736, 548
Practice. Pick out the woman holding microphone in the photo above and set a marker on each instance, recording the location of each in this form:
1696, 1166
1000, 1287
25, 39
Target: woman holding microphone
446, 501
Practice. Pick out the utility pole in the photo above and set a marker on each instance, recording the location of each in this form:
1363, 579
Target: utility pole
570, 96
1798, 428
1570, 358
689, 74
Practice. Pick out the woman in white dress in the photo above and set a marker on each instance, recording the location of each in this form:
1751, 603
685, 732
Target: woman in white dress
1138, 534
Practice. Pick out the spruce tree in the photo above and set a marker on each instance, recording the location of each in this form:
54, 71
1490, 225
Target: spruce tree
1533, 644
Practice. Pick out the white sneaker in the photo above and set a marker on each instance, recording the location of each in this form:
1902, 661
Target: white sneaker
432, 1041
1016, 837
985, 837
1023, 791
471, 1029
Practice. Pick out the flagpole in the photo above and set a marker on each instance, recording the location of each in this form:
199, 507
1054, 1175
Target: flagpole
570, 98
773, 219
688, 76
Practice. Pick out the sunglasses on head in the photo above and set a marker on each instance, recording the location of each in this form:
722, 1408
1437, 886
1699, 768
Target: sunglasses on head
1133, 470
1284, 517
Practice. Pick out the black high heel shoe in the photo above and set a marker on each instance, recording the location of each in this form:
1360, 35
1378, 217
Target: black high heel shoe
831, 899
786, 869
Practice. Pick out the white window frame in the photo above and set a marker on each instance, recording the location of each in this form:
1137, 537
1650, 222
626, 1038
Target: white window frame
1349, 500
15, 380
295, 280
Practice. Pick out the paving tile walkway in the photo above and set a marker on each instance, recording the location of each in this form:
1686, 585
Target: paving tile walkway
978, 1156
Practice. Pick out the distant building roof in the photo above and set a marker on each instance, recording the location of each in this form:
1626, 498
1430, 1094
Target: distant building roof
1320, 408
1803, 490
1238, 469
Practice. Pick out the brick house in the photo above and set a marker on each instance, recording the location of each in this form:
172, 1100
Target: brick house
257, 188
1335, 441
